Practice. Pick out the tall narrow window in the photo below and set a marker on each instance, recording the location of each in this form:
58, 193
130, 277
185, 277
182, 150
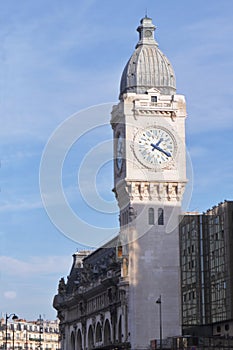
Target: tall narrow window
160, 217
119, 251
151, 216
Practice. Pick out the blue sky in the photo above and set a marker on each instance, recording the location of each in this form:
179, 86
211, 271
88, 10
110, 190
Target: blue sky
60, 58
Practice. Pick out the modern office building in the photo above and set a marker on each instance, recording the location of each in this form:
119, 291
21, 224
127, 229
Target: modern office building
114, 296
206, 253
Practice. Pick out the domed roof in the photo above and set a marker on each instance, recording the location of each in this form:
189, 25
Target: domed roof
148, 67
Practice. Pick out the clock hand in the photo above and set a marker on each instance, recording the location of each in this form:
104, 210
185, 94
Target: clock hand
160, 149
159, 142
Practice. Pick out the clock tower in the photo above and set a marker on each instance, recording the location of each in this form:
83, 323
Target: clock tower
149, 180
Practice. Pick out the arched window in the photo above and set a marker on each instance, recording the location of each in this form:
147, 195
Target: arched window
79, 340
98, 333
119, 251
160, 217
107, 333
90, 338
120, 331
72, 341
151, 216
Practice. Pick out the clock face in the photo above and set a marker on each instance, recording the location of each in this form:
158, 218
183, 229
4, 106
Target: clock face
148, 33
154, 147
119, 152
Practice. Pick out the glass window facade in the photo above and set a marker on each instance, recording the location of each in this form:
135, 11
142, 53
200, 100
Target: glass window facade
206, 259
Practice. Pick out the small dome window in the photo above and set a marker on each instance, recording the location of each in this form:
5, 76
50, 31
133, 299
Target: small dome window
154, 99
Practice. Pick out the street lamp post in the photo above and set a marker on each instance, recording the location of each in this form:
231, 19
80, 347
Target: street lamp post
159, 301
14, 317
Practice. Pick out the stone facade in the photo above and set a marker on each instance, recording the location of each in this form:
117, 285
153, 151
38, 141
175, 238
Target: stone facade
92, 305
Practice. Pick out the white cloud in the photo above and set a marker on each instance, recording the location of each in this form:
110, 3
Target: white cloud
35, 265
198, 151
10, 294
19, 155
19, 205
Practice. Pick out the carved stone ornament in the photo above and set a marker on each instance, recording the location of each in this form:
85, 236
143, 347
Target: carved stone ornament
62, 286
143, 112
169, 191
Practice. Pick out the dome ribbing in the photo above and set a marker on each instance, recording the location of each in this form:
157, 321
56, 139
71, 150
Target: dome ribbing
148, 67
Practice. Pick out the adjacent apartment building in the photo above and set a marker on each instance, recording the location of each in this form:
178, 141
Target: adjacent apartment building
29, 335
206, 259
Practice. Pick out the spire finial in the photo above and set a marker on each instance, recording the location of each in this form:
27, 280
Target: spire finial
146, 13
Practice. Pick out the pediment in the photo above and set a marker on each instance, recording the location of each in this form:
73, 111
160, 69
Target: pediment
153, 91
